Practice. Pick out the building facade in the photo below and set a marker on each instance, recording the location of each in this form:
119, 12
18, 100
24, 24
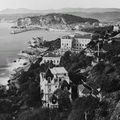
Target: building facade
50, 82
80, 42
116, 28
66, 42
55, 58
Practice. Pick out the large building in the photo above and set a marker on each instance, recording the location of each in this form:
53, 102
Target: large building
51, 57
50, 82
116, 28
66, 42
80, 41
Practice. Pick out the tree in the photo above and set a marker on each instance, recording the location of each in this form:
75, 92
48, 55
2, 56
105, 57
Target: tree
38, 114
82, 107
63, 98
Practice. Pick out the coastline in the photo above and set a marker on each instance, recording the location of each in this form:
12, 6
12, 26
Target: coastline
18, 30
11, 45
21, 30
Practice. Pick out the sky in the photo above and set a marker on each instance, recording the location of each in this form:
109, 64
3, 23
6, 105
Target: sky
57, 4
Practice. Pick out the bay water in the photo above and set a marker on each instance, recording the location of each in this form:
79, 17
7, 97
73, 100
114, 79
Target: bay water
12, 44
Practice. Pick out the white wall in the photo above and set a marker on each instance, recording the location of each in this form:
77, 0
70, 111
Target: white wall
52, 86
80, 43
66, 43
56, 60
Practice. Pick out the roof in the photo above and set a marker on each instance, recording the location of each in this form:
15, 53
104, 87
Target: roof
66, 37
58, 70
86, 36
117, 36
51, 55
83, 89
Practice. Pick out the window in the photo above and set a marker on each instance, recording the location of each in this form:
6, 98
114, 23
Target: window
55, 80
49, 79
59, 79
49, 88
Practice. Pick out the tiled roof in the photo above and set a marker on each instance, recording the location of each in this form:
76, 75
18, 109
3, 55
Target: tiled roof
58, 70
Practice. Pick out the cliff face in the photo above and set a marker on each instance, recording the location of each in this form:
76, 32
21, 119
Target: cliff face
53, 19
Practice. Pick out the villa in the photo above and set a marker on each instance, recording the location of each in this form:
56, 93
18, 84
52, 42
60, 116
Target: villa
66, 42
50, 82
55, 58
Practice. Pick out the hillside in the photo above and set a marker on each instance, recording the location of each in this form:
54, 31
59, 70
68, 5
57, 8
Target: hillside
111, 16
54, 19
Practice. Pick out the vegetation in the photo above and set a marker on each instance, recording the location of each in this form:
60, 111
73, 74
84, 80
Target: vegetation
52, 45
99, 30
56, 19
98, 73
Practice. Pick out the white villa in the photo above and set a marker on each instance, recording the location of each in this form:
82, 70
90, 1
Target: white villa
50, 82
116, 28
55, 58
66, 42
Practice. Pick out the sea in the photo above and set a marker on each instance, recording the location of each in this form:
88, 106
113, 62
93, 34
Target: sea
12, 44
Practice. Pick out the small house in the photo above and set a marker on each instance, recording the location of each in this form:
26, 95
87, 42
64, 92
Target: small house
55, 58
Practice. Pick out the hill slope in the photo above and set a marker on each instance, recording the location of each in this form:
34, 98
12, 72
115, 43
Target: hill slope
54, 19
102, 16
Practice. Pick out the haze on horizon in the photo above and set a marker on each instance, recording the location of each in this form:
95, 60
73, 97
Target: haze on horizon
58, 4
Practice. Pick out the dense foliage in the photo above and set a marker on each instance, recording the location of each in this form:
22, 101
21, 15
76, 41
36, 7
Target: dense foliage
99, 74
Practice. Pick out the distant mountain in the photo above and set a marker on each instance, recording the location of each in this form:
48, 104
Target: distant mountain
102, 14
54, 19
89, 10
64, 10
25, 11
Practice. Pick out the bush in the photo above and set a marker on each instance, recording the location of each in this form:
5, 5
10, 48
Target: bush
5, 117
37, 114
